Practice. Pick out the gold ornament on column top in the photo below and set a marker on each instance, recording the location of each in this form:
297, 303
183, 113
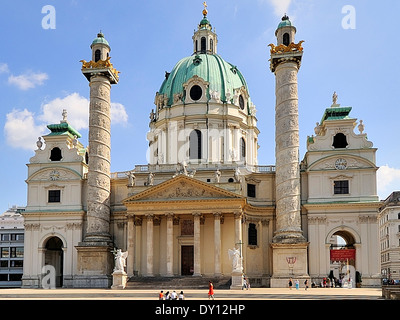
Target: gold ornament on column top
101, 64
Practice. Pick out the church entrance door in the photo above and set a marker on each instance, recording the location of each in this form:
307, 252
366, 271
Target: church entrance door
187, 260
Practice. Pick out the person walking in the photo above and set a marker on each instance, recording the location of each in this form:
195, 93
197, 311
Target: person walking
181, 296
210, 290
306, 284
174, 296
161, 295
290, 283
297, 284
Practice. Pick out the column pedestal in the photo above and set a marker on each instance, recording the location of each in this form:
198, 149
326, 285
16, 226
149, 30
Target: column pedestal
289, 261
237, 281
95, 263
119, 280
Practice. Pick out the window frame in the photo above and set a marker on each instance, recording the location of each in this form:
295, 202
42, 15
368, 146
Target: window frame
52, 198
343, 185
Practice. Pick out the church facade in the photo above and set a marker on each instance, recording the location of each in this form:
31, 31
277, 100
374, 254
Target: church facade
203, 192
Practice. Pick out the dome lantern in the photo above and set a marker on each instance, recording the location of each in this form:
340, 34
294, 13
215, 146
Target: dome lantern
204, 39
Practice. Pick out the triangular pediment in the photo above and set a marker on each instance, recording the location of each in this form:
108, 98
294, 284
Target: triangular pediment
182, 188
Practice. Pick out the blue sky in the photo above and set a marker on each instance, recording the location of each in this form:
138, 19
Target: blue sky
40, 70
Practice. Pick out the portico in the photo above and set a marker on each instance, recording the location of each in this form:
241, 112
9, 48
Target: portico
165, 221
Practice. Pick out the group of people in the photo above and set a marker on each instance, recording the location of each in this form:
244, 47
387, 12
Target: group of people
297, 284
175, 296
171, 295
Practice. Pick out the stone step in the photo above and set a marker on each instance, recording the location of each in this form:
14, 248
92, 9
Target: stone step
178, 282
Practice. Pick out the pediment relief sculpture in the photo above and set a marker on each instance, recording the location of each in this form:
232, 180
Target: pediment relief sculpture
54, 174
181, 188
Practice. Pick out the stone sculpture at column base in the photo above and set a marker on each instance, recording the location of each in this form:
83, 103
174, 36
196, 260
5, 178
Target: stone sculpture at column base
237, 268
289, 261
119, 274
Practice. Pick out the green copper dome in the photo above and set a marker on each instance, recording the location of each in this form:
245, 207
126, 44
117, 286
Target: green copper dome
221, 75
100, 39
285, 22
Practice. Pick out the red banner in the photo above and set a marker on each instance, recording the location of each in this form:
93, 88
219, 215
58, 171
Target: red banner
343, 254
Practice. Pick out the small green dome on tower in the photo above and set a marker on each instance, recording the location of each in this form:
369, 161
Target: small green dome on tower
285, 22
100, 39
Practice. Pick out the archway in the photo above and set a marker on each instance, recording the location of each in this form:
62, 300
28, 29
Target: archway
342, 258
54, 257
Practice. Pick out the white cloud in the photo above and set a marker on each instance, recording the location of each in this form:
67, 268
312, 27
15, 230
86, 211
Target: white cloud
21, 131
388, 180
280, 6
28, 80
77, 108
118, 113
78, 111
4, 68
22, 128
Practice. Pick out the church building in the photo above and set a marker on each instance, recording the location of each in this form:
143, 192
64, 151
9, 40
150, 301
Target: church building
203, 193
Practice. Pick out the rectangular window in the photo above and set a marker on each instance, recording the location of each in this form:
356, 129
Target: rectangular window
5, 252
251, 190
54, 195
341, 187
252, 234
4, 264
17, 252
5, 237
17, 237
16, 263
15, 277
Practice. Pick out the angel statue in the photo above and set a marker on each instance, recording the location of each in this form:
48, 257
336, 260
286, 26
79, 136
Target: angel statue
234, 255
120, 258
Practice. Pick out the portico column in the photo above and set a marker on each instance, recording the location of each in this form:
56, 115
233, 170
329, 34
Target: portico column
196, 242
149, 251
217, 243
238, 227
170, 243
130, 246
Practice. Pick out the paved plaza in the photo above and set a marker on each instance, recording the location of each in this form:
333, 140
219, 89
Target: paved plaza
199, 294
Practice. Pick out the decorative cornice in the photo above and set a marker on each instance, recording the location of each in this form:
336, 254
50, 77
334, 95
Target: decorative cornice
335, 205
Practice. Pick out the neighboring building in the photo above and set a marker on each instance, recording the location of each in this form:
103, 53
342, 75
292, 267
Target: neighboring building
11, 247
203, 191
389, 236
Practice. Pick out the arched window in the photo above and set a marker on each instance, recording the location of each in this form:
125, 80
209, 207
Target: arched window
286, 39
97, 55
203, 45
211, 45
55, 154
197, 46
339, 141
252, 234
195, 144
242, 149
